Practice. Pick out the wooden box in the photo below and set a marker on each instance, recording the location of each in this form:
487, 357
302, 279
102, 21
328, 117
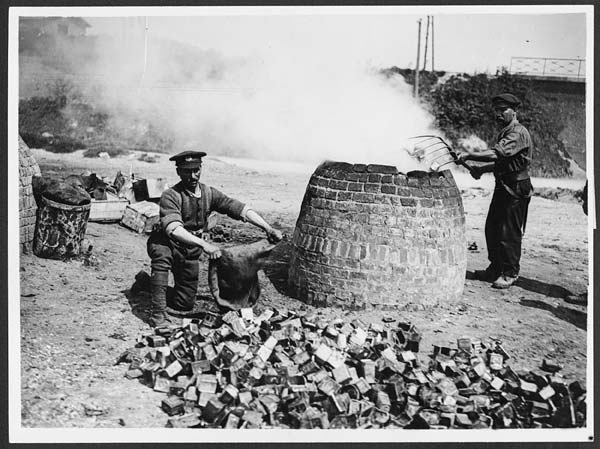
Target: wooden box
109, 210
141, 217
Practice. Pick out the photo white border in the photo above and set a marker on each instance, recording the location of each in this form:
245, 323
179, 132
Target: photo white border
19, 434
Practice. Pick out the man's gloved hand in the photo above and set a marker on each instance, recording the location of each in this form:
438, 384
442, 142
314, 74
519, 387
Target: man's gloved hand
214, 252
274, 235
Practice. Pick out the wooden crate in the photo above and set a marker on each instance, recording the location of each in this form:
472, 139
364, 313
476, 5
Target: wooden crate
107, 211
141, 217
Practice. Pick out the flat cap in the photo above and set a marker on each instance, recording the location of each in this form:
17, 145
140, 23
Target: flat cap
188, 159
506, 99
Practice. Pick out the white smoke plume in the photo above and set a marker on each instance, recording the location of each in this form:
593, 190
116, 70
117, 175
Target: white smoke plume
279, 104
472, 143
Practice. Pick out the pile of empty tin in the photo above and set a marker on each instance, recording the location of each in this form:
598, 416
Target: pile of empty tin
281, 370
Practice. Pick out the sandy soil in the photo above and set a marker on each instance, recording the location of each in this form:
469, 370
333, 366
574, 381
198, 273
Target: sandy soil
76, 318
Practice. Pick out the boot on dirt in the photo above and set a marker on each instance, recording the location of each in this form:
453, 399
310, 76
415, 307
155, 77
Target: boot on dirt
158, 299
490, 274
504, 281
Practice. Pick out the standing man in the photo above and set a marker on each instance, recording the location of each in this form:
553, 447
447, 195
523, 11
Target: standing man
510, 158
177, 243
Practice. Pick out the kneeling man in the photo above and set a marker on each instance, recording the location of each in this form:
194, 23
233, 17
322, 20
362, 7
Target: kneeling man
177, 243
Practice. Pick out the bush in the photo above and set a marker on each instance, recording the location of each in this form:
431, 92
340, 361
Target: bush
145, 157
41, 114
427, 80
34, 140
58, 144
65, 144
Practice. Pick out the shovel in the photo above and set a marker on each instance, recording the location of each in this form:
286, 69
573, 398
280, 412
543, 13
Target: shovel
435, 152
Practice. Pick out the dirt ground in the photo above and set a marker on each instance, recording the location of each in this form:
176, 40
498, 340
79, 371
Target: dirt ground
76, 319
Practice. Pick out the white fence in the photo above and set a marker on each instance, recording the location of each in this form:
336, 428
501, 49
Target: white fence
570, 68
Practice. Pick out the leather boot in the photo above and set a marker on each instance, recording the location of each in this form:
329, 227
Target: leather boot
490, 274
158, 301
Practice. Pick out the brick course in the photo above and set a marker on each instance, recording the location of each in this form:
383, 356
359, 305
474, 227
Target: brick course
28, 168
369, 236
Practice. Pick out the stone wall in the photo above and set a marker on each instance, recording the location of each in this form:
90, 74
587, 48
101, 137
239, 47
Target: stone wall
369, 236
28, 167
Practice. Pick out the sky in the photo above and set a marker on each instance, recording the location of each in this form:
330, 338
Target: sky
464, 42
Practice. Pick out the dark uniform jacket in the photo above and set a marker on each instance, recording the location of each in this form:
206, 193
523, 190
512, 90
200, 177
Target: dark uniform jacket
513, 148
179, 205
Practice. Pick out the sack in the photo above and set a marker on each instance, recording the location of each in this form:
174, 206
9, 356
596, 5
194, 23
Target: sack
58, 191
233, 278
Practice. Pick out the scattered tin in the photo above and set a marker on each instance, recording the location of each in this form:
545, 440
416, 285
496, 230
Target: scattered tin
284, 370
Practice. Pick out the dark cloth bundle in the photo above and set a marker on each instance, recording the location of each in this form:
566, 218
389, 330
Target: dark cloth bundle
233, 278
58, 191
93, 185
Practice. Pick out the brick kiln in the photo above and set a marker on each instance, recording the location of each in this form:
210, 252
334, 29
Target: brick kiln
28, 167
370, 236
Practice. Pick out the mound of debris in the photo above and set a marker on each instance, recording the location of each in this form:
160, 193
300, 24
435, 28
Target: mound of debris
561, 194
285, 370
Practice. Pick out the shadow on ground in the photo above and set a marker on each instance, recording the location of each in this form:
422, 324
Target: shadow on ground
575, 317
139, 302
532, 285
551, 290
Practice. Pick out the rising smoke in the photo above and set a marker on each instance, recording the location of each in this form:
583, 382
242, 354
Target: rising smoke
278, 104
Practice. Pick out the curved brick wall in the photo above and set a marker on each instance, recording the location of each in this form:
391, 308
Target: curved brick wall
369, 236
28, 167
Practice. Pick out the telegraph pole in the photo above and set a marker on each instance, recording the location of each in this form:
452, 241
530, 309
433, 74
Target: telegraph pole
426, 42
416, 87
432, 46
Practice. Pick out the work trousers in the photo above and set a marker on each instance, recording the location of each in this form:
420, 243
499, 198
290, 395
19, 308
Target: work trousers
166, 256
505, 225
